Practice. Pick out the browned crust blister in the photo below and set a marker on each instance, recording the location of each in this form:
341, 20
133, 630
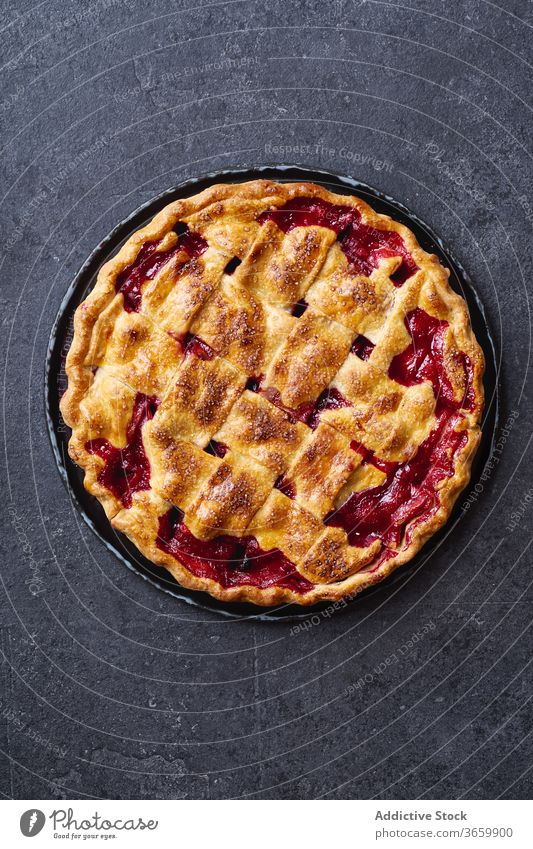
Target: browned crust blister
246, 319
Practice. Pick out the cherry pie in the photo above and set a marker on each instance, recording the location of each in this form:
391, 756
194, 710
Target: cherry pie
274, 393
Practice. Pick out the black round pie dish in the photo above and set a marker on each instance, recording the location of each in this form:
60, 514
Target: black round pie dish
61, 335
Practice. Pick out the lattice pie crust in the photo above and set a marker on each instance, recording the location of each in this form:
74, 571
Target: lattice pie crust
274, 393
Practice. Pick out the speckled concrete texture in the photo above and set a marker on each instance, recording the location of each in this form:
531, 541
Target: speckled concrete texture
111, 688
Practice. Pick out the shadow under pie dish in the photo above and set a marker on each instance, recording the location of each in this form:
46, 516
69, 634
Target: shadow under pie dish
274, 393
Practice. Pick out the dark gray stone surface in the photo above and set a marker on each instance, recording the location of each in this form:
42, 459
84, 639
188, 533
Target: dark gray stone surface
109, 687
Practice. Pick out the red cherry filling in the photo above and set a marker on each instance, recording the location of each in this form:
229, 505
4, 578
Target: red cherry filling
362, 347
408, 492
329, 399
253, 384
231, 561
127, 470
423, 359
232, 265
216, 449
285, 486
149, 261
194, 345
363, 245
369, 457
309, 414
299, 308
191, 344
273, 395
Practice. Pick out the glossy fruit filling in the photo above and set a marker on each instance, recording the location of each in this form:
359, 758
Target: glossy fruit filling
408, 491
231, 561
308, 413
370, 457
423, 360
217, 449
362, 347
149, 261
194, 345
253, 384
127, 470
299, 308
329, 399
286, 486
297, 414
364, 246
